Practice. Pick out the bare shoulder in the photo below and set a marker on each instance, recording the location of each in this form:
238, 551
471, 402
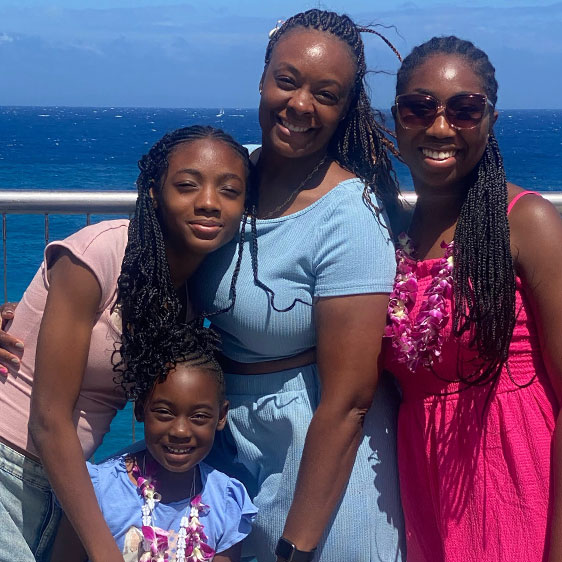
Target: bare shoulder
534, 223
530, 210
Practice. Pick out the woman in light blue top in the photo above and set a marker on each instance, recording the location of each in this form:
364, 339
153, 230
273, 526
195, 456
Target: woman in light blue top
301, 327
302, 322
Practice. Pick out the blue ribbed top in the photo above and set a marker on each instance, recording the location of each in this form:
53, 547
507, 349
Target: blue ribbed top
334, 247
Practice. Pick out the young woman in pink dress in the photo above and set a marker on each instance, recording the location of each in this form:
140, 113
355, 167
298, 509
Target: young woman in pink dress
475, 324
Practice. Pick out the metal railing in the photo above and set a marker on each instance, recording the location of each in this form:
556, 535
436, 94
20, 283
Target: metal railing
88, 203
46, 203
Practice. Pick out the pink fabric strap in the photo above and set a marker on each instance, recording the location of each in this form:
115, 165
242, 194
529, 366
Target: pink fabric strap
518, 196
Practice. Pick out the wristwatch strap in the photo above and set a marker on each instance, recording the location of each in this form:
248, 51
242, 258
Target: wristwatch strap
288, 552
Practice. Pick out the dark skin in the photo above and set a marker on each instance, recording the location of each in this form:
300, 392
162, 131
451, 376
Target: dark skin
535, 227
184, 412
307, 86
200, 199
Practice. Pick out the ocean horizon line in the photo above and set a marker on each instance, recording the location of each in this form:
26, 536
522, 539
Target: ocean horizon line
210, 108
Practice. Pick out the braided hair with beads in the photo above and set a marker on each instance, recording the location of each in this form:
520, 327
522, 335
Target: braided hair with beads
483, 275
154, 333
359, 143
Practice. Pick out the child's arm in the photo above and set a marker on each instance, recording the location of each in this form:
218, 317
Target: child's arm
62, 353
67, 546
232, 554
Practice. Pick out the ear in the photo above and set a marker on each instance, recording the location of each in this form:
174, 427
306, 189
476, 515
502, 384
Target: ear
260, 87
393, 111
139, 411
493, 119
153, 197
222, 415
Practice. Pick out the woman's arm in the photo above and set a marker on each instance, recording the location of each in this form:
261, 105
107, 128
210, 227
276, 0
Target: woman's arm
62, 352
349, 335
536, 234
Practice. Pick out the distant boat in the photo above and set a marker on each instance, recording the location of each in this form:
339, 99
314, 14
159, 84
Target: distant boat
221, 112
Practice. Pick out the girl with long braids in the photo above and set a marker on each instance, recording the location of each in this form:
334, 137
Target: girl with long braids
307, 434
474, 327
106, 278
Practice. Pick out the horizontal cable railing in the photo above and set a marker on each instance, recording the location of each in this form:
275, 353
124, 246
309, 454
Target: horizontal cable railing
67, 202
87, 203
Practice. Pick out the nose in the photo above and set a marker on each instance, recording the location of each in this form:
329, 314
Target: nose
441, 128
207, 200
180, 430
301, 101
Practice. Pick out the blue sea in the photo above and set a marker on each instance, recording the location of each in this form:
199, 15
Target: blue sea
57, 148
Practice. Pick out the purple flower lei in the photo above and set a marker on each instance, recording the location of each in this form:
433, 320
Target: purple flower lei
419, 342
190, 546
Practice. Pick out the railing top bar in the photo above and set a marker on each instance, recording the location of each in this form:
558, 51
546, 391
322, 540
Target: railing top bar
67, 202
555, 197
116, 202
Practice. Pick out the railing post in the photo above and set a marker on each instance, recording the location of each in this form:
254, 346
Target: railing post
5, 256
46, 228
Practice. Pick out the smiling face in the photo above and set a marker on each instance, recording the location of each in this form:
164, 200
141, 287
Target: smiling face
441, 155
201, 200
305, 92
181, 416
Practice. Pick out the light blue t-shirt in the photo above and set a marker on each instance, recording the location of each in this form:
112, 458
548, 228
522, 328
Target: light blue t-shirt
228, 521
334, 247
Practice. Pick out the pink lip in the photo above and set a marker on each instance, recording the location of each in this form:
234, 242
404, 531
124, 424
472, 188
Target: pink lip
205, 229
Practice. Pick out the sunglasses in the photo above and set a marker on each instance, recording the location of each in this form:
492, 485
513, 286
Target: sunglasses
462, 111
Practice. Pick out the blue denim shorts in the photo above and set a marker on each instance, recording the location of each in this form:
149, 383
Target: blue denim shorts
29, 515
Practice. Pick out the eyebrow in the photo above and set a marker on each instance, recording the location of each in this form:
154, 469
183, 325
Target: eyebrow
164, 402
325, 82
433, 95
195, 172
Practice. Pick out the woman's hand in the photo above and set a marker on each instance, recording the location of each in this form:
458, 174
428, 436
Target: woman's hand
10, 348
349, 337
63, 346
536, 232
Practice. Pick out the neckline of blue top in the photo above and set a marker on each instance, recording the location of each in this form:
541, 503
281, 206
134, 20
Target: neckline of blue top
312, 205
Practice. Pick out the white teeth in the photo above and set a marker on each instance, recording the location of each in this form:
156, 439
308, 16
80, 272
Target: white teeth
178, 451
438, 155
293, 128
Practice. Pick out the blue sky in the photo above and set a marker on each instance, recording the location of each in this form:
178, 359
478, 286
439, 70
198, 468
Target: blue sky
209, 53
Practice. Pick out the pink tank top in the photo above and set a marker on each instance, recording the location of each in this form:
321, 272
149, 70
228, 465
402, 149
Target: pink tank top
101, 248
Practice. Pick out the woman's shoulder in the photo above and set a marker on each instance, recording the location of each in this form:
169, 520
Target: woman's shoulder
98, 233
525, 207
115, 227
534, 223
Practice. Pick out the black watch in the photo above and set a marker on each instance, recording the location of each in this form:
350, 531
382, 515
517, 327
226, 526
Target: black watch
288, 552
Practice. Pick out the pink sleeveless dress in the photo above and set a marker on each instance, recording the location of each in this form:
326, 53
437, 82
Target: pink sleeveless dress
475, 464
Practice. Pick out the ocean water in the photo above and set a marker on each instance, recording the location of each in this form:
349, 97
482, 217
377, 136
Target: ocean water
56, 148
